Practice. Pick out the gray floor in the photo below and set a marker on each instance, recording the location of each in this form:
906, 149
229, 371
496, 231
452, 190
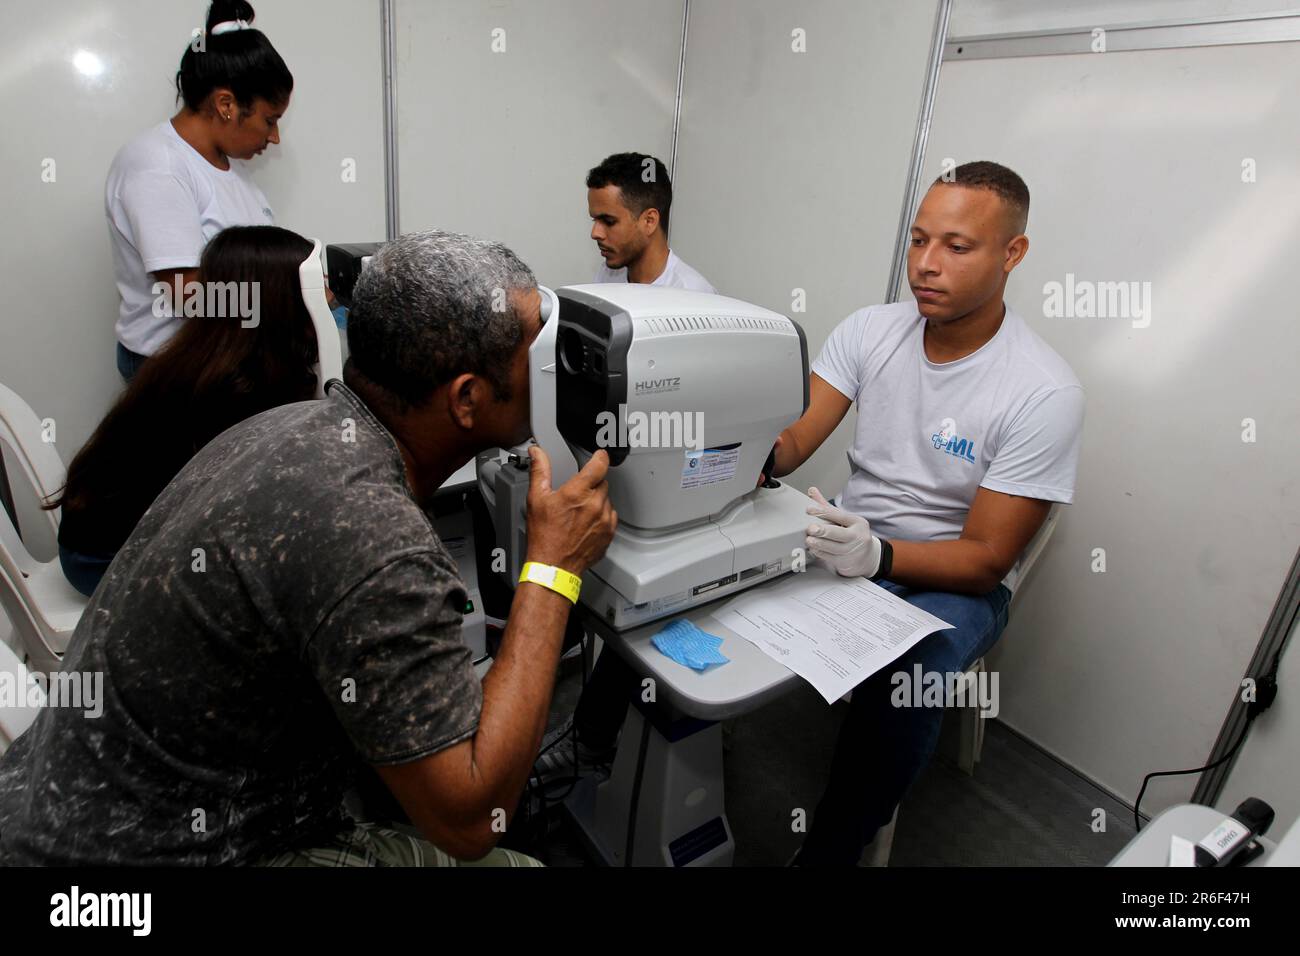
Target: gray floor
1020, 808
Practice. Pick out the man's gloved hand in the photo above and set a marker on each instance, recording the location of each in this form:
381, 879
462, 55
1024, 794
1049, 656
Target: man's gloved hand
845, 542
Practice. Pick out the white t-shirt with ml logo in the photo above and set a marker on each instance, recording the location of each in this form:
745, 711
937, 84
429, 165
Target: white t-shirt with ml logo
1008, 417
164, 201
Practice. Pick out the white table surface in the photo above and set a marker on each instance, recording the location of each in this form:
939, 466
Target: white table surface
749, 679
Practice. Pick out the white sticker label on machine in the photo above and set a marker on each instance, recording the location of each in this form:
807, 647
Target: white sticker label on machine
709, 465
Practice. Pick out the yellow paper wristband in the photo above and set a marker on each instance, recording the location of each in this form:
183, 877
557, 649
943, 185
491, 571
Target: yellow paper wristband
549, 576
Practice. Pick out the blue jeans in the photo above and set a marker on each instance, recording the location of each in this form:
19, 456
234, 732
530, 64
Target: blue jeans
128, 362
882, 748
83, 571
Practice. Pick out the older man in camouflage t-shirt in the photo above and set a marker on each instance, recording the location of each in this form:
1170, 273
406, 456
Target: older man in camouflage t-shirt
284, 612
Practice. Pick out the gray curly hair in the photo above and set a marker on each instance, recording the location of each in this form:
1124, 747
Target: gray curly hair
431, 306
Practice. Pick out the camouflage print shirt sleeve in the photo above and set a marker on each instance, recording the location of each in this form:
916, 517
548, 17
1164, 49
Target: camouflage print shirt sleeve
374, 651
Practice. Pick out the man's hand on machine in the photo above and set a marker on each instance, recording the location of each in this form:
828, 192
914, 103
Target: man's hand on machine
571, 526
769, 466
845, 542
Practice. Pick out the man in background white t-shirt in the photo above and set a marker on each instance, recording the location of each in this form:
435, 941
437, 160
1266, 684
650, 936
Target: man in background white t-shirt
629, 196
969, 427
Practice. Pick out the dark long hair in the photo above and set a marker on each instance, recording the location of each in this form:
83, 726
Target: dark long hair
212, 374
242, 61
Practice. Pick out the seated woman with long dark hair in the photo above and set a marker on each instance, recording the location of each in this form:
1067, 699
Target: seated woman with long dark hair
212, 374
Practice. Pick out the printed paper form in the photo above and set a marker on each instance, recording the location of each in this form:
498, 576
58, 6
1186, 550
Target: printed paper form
833, 632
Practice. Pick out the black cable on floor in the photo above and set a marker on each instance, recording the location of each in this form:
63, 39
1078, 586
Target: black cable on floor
1266, 692
1137, 820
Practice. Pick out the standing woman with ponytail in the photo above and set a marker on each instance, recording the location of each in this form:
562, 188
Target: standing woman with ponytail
177, 185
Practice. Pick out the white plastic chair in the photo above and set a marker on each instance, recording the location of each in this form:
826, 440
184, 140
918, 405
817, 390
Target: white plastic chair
971, 729
38, 460
14, 720
311, 274
42, 606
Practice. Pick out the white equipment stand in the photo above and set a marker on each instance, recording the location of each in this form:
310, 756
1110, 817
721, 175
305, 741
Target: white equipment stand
663, 802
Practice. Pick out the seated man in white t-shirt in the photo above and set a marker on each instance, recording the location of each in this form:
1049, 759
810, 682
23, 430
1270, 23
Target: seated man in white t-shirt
969, 427
628, 197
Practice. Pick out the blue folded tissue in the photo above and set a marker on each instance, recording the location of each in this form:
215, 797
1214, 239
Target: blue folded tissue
685, 643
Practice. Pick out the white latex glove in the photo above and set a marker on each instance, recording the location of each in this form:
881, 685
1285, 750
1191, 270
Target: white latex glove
845, 542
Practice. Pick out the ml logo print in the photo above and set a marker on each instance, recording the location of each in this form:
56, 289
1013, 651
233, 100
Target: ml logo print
946, 440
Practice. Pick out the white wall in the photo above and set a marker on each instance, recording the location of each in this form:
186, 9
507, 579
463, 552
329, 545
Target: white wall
978, 17
791, 166
56, 339
1134, 161
498, 144
336, 116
